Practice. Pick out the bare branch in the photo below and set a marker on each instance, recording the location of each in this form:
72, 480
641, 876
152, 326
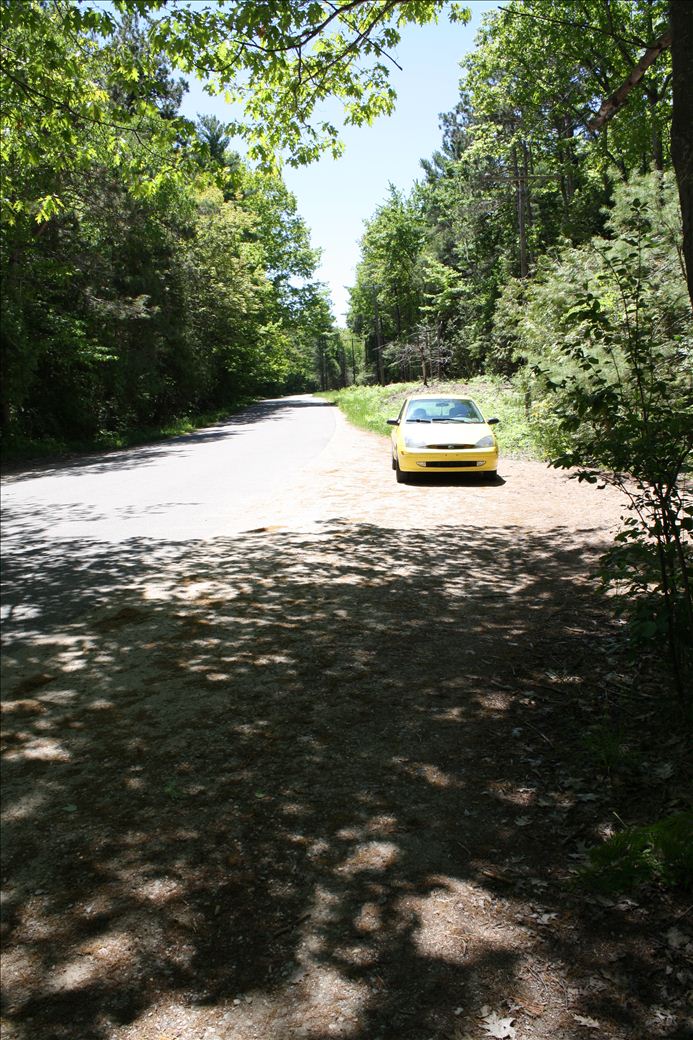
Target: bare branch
611, 105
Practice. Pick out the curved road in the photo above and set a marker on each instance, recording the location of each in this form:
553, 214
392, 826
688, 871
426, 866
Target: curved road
178, 489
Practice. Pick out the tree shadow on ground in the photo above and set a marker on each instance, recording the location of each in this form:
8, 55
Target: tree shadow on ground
303, 785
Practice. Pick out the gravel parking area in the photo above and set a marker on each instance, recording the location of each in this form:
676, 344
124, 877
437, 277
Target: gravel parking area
323, 775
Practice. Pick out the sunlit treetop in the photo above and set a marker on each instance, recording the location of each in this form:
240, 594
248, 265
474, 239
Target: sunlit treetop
74, 89
278, 61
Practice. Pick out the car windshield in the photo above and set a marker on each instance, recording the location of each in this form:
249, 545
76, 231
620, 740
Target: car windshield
443, 409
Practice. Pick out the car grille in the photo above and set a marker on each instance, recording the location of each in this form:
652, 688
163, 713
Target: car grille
451, 447
449, 465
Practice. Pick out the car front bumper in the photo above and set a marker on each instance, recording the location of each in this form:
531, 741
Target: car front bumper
469, 461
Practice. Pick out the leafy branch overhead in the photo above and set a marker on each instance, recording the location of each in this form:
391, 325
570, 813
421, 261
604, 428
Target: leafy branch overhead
73, 90
279, 63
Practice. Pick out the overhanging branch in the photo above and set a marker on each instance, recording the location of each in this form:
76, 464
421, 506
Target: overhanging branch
611, 105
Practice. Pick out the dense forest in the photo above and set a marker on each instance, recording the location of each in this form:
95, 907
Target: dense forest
148, 271
524, 187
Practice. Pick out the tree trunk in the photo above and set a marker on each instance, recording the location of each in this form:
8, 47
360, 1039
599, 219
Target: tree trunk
343, 366
681, 16
321, 355
611, 105
520, 204
527, 170
567, 158
656, 137
378, 338
422, 358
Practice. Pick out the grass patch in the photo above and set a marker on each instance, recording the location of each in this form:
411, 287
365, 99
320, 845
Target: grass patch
608, 750
661, 851
25, 449
370, 406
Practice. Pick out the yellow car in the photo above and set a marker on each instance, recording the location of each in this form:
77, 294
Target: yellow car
435, 434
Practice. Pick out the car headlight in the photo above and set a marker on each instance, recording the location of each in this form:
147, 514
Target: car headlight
485, 442
412, 440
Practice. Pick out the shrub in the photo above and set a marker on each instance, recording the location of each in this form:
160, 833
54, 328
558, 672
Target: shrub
662, 851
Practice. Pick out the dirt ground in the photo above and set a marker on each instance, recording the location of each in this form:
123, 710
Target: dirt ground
327, 776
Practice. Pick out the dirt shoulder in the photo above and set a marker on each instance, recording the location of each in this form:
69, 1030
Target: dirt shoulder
326, 776
351, 481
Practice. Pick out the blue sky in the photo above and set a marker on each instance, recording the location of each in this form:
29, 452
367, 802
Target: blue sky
336, 196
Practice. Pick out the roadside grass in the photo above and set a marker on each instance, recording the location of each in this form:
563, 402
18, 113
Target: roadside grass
370, 406
25, 449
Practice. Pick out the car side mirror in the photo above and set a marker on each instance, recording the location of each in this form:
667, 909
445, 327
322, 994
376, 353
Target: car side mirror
395, 422
492, 422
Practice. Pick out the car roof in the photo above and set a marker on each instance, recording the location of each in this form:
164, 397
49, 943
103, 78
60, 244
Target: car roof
438, 397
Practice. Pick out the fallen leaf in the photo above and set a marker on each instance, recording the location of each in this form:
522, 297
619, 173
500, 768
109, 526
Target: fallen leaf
500, 1028
588, 1023
545, 918
33, 682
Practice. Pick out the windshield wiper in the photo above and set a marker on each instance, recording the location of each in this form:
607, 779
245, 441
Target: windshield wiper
458, 418
418, 420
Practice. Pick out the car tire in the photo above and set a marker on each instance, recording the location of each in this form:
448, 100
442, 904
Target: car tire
394, 462
401, 477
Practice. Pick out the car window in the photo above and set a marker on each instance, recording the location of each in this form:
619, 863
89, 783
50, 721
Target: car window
442, 409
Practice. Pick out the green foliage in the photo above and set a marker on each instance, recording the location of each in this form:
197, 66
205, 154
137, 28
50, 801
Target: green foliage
607, 330
129, 312
82, 83
661, 852
386, 301
519, 173
78, 88
537, 70
129, 303
21, 448
133, 290
370, 406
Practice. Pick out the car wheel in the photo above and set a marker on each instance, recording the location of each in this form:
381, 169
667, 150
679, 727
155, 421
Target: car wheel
402, 478
394, 462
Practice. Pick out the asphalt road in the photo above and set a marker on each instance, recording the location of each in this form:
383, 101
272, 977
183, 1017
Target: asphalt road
185, 488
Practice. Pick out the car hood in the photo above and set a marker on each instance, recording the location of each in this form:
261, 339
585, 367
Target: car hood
462, 434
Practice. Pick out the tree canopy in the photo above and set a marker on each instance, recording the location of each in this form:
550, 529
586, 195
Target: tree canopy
148, 271
83, 83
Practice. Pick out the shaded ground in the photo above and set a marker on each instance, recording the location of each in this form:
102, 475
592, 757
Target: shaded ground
327, 777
